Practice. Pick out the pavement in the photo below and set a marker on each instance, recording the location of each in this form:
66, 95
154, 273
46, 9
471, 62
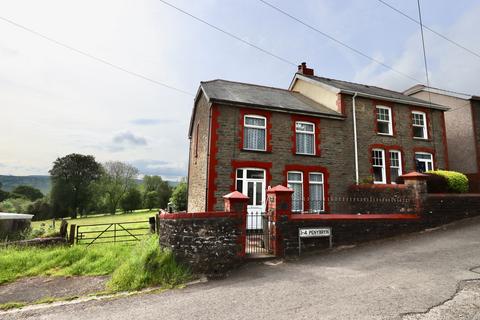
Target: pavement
428, 275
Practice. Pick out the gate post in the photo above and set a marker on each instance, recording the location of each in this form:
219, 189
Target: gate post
237, 202
279, 207
418, 182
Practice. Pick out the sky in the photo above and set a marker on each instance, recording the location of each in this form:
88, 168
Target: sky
54, 101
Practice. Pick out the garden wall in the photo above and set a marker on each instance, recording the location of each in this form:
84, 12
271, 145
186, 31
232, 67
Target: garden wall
209, 242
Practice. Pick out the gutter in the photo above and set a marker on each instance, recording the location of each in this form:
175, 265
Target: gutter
355, 142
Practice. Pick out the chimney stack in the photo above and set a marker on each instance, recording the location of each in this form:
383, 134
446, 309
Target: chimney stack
302, 68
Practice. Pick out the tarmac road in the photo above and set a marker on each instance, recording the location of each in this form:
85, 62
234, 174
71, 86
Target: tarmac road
416, 276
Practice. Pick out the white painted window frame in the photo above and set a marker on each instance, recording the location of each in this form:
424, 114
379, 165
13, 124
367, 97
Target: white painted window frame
424, 160
245, 125
424, 127
301, 185
399, 167
323, 189
383, 166
306, 132
389, 122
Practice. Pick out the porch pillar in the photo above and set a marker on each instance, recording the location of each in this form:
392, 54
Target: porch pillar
279, 207
418, 182
237, 202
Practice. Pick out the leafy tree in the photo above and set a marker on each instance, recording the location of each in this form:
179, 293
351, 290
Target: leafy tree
72, 177
118, 178
15, 205
28, 192
132, 200
3, 194
40, 209
163, 192
179, 196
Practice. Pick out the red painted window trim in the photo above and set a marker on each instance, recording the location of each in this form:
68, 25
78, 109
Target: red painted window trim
426, 150
445, 143
316, 122
212, 165
429, 126
390, 105
256, 112
387, 150
306, 181
237, 164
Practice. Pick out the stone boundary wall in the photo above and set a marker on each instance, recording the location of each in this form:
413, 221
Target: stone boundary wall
442, 208
380, 198
209, 243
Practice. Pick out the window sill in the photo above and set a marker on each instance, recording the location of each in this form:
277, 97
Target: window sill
256, 151
421, 139
385, 134
306, 154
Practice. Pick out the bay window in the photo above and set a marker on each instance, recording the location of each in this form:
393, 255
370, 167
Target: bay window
255, 133
295, 182
305, 137
378, 166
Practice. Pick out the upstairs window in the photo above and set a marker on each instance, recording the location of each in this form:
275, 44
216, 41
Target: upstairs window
305, 137
423, 161
419, 122
255, 133
378, 166
395, 165
384, 120
316, 192
295, 182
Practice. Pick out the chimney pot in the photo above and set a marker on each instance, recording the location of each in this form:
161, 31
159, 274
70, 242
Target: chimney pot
302, 68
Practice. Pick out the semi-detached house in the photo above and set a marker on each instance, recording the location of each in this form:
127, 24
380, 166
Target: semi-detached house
319, 137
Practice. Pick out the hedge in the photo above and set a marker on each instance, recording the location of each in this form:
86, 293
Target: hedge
457, 182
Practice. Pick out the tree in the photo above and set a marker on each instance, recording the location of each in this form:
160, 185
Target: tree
179, 196
28, 192
117, 179
3, 194
156, 185
40, 209
132, 200
72, 177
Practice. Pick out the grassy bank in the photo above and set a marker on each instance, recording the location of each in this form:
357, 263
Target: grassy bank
132, 267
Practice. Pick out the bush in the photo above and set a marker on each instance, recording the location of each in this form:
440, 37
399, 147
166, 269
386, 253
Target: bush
40, 209
179, 197
457, 182
15, 205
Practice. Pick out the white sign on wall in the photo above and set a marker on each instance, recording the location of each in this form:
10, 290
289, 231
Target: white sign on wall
313, 233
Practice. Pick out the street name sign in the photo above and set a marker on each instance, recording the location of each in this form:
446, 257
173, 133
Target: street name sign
313, 233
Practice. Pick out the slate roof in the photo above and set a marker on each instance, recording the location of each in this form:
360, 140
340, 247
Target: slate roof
350, 87
263, 97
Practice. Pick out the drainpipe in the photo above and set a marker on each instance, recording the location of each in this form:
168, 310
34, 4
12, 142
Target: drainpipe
355, 142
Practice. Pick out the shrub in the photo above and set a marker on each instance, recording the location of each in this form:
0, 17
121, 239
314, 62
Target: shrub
15, 205
436, 183
457, 182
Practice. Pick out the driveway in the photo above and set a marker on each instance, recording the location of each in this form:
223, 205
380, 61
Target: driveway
389, 279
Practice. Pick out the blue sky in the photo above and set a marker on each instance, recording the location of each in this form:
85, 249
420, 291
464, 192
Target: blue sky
54, 101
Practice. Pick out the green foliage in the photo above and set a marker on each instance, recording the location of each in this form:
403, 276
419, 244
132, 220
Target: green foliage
117, 178
4, 195
132, 200
457, 182
156, 193
133, 267
72, 177
40, 209
179, 197
149, 266
15, 205
28, 192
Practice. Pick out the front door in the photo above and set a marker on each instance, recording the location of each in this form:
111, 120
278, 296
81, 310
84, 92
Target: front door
251, 182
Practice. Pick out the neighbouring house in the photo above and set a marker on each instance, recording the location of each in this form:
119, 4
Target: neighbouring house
318, 137
463, 128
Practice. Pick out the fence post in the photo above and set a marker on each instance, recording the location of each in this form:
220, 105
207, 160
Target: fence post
71, 236
279, 200
237, 202
418, 182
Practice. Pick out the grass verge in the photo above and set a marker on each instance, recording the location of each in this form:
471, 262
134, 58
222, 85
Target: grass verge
131, 267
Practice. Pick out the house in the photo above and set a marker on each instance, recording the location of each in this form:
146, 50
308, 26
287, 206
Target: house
463, 128
319, 137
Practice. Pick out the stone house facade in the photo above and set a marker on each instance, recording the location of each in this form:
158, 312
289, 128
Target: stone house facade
463, 128
319, 137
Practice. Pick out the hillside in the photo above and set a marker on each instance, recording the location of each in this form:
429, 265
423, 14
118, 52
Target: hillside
40, 182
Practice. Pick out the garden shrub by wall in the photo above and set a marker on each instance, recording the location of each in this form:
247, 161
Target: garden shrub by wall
456, 182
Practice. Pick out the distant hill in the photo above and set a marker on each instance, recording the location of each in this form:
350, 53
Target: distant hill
40, 182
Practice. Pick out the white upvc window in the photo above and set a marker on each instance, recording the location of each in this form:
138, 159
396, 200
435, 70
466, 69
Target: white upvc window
316, 190
378, 164
295, 182
395, 165
305, 137
419, 122
424, 161
384, 120
255, 133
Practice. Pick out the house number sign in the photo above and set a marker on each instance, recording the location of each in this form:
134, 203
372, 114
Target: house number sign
313, 233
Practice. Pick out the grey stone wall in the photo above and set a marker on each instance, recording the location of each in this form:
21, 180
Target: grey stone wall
197, 178
210, 245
